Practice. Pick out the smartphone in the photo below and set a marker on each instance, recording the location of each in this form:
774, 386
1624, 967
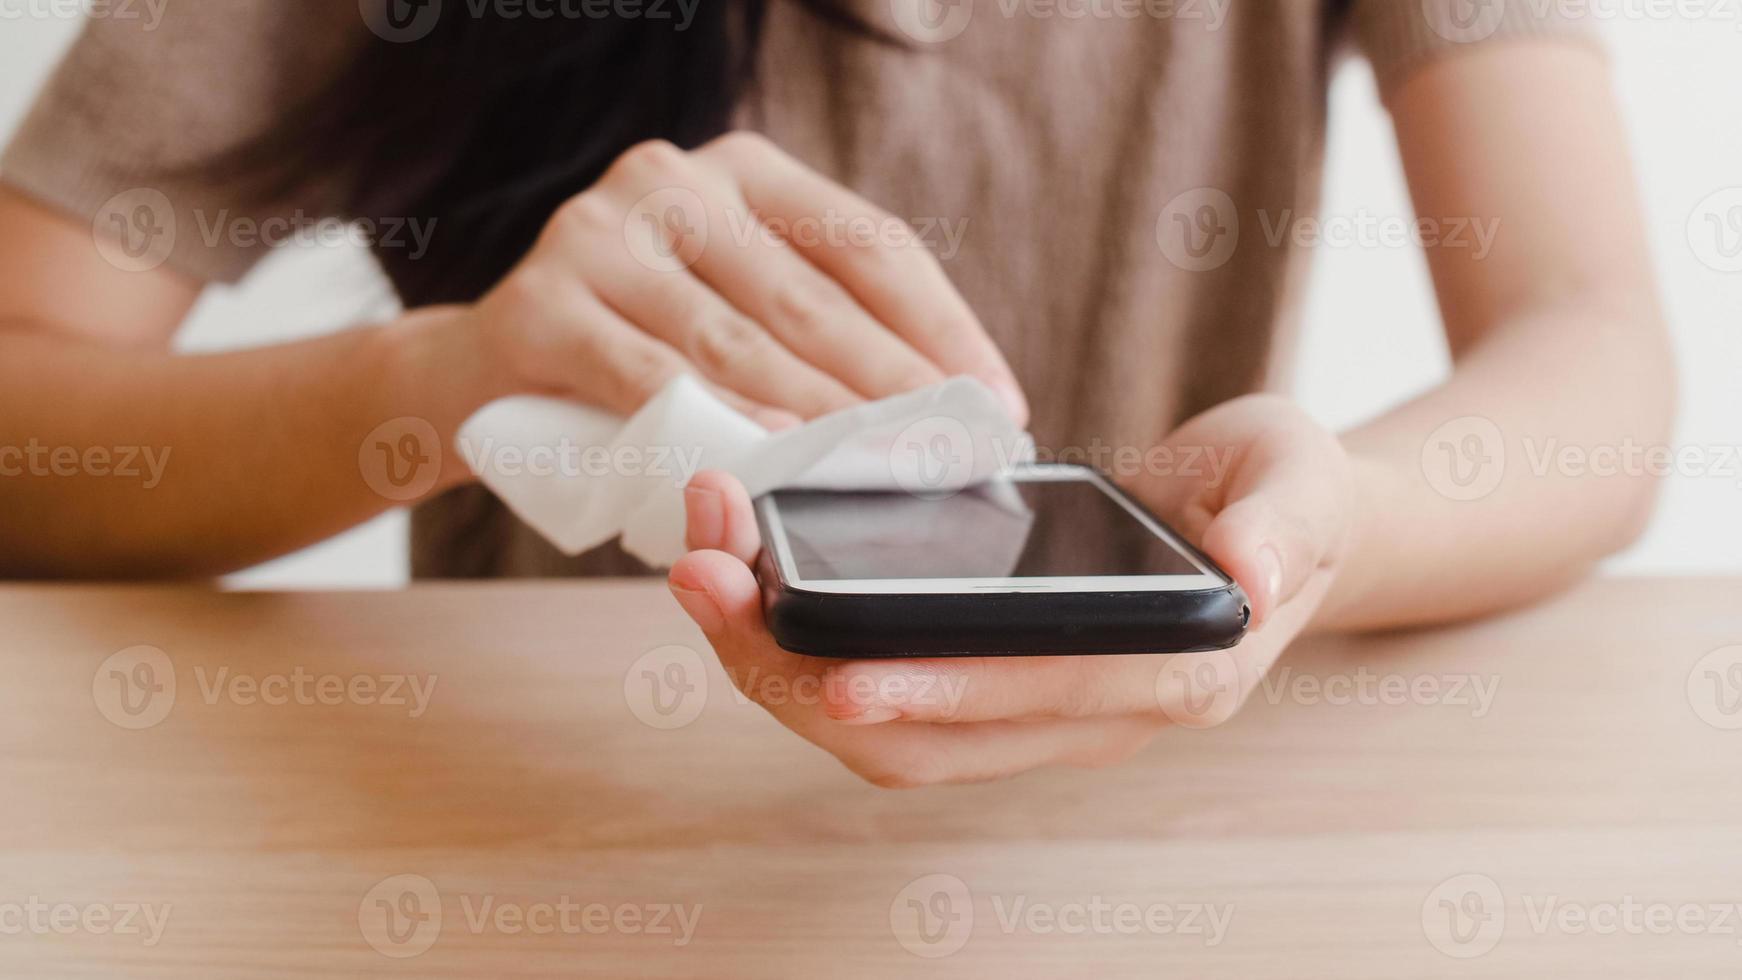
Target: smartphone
1048, 560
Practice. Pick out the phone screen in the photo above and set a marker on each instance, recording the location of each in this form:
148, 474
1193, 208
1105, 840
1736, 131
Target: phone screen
1002, 529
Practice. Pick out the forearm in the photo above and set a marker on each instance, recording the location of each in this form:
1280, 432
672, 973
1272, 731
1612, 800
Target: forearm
120, 463
1446, 527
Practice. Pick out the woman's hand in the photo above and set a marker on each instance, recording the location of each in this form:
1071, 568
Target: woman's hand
789, 294
1277, 519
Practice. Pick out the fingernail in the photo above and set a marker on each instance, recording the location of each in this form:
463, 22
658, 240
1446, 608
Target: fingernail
700, 607
1270, 560
707, 515
874, 715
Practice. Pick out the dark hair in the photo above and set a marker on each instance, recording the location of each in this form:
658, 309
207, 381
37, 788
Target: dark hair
487, 123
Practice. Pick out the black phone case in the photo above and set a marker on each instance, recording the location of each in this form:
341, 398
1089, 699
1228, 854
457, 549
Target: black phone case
888, 626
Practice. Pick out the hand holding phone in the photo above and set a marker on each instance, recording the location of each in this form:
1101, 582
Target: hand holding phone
1048, 560
913, 722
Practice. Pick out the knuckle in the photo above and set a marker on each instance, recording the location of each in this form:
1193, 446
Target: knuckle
541, 346
1283, 417
896, 250
810, 304
538, 294
726, 346
655, 157
1268, 401
585, 214
524, 290
639, 374
744, 145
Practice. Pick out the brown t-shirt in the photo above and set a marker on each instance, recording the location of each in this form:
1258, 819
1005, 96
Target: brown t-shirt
1098, 176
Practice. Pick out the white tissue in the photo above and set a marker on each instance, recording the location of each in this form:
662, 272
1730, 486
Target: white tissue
581, 476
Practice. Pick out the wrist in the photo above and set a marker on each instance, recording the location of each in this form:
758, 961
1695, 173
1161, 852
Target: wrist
438, 371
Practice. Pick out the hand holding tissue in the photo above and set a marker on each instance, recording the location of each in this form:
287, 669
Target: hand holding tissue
605, 477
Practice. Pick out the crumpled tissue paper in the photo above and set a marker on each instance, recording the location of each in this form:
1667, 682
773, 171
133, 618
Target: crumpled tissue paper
581, 476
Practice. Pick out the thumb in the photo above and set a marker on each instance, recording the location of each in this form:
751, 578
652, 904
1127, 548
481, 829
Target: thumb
719, 592
1273, 538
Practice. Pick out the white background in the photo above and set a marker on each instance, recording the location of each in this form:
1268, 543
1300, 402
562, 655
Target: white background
1372, 333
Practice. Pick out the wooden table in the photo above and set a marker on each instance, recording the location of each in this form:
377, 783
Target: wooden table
1369, 814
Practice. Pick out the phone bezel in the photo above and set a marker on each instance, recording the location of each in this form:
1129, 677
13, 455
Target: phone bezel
1207, 579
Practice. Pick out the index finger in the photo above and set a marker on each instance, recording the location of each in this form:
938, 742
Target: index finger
898, 281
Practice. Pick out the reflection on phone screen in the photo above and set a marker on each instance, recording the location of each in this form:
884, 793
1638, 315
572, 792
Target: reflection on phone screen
1001, 529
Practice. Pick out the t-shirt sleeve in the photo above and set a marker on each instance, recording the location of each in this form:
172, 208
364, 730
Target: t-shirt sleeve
141, 101
1400, 36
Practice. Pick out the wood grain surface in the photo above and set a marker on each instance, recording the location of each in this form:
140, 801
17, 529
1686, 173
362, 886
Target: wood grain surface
557, 779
